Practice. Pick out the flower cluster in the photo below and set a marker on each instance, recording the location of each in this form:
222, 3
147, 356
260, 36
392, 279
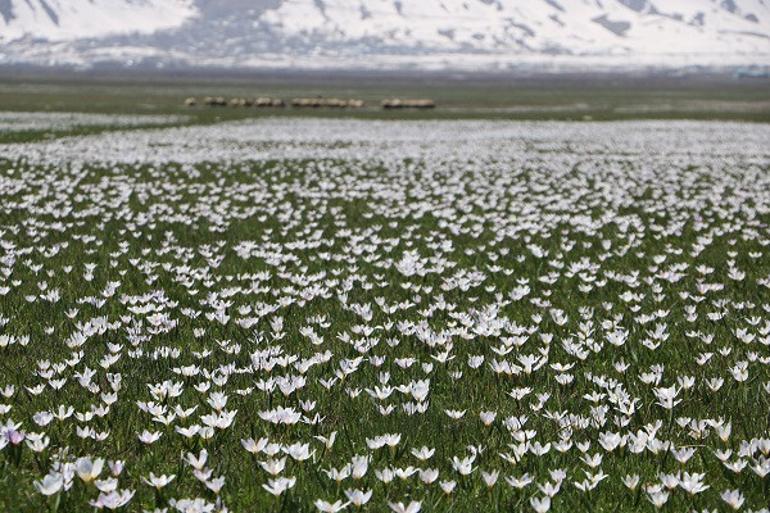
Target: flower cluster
309, 315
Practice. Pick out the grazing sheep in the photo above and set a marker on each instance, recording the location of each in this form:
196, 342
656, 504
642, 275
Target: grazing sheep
331, 103
214, 101
190, 102
423, 103
398, 103
392, 103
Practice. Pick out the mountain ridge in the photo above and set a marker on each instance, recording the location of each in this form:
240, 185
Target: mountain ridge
387, 34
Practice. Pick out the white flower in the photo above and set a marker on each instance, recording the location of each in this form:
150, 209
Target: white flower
733, 498
273, 467
631, 481
447, 486
423, 454
519, 482
428, 475
216, 484
463, 466
149, 437
113, 500
254, 447
88, 469
657, 497
327, 507
50, 484
160, 481
540, 505
490, 478
107, 485
667, 397
358, 497
398, 507
279, 485
487, 417
197, 462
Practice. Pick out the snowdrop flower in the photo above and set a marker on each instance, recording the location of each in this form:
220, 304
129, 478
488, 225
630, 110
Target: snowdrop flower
631, 481
278, 486
693, 483
399, 507
149, 437
327, 441
519, 482
326, 507
490, 478
113, 500
116, 467
667, 397
657, 496
358, 497
487, 417
273, 467
160, 481
199, 461
463, 466
423, 454
359, 466
540, 505
51, 484
428, 475
447, 486
216, 484
107, 485
733, 498
254, 447
88, 469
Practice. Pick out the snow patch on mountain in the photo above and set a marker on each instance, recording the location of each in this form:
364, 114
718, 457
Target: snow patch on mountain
66, 20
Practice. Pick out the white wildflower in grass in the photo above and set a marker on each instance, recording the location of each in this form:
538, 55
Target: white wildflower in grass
657, 497
399, 507
112, 500
423, 453
540, 504
490, 478
428, 475
149, 437
89, 469
50, 484
631, 481
358, 497
107, 485
327, 507
160, 481
519, 482
448, 486
279, 485
733, 498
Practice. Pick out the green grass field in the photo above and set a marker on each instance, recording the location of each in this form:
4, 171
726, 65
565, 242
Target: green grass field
470, 310
610, 97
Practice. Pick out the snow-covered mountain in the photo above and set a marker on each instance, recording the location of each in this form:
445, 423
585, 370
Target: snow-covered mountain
470, 34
